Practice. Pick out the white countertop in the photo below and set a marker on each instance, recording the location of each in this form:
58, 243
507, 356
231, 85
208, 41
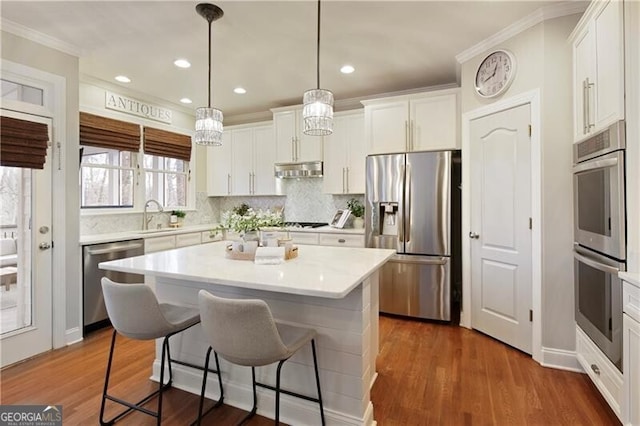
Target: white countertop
329, 272
133, 235
630, 277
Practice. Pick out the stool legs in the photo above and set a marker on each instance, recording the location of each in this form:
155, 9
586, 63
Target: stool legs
138, 405
204, 386
315, 367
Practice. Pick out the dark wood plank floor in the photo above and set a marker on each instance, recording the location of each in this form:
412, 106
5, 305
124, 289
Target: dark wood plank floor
429, 374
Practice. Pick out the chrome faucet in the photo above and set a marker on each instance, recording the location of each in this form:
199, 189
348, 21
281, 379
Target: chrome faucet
145, 221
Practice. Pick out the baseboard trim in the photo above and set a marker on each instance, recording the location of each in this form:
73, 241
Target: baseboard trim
561, 359
73, 335
292, 410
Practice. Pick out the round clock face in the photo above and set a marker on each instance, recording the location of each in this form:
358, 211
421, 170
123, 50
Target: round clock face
495, 73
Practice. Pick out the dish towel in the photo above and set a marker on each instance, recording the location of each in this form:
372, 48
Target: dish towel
269, 255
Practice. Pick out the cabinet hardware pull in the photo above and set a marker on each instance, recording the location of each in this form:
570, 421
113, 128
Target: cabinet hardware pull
595, 369
411, 136
293, 154
406, 134
585, 100
342, 240
228, 183
589, 87
297, 148
343, 191
347, 180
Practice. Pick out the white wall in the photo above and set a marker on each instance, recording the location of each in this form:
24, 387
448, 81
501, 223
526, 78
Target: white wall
544, 62
66, 201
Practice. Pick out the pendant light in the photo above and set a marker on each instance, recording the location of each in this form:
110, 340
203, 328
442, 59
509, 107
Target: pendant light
209, 120
317, 112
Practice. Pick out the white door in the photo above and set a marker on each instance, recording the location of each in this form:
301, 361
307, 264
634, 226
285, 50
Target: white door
500, 232
25, 294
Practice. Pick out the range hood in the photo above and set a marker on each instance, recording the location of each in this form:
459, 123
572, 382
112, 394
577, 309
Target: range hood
298, 170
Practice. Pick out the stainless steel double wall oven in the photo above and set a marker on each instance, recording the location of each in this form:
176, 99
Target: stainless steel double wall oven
600, 237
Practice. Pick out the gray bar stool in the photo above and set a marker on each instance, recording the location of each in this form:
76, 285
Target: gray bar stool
244, 332
135, 312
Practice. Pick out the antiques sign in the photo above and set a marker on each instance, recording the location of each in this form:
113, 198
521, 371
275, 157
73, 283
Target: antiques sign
141, 109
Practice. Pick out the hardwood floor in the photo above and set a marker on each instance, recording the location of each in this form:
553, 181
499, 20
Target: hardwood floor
429, 374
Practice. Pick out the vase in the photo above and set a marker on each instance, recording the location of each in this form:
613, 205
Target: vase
250, 236
358, 222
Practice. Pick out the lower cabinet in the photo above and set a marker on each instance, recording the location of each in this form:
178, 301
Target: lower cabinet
345, 240
190, 239
631, 353
152, 245
601, 371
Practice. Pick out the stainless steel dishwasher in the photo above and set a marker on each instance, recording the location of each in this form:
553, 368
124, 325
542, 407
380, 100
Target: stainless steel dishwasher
94, 311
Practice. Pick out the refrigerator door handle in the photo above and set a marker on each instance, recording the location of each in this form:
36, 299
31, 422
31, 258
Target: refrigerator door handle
420, 260
407, 214
400, 217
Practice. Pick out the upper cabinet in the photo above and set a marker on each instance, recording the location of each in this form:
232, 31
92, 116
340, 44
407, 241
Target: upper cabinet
345, 153
426, 121
292, 145
598, 68
244, 163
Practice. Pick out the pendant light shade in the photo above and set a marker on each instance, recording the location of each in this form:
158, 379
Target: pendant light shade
209, 120
317, 111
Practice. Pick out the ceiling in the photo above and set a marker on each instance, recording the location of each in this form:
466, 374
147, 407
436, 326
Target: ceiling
269, 47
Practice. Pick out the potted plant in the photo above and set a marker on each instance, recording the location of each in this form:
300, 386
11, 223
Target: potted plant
357, 210
177, 216
247, 222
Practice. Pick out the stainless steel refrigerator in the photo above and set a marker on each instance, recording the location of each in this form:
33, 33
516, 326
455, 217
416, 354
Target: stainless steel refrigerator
413, 206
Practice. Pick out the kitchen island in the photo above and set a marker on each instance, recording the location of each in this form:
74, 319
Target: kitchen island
332, 289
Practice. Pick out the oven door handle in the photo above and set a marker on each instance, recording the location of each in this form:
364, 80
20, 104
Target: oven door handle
597, 164
595, 264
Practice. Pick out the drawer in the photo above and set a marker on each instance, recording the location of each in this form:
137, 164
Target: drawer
345, 240
159, 243
631, 300
190, 239
209, 237
304, 237
601, 371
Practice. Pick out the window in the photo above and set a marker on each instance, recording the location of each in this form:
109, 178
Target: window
9, 196
107, 177
21, 92
166, 180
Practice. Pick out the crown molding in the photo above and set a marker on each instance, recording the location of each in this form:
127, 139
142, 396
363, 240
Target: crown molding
40, 38
549, 12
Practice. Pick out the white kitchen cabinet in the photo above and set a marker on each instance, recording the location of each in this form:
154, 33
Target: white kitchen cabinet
253, 154
210, 237
598, 68
292, 145
601, 371
190, 239
345, 151
342, 240
304, 237
631, 354
219, 167
244, 164
152, 245
420, 122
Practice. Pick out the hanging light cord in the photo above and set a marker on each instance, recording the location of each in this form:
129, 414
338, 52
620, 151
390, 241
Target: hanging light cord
209, 19
318, 50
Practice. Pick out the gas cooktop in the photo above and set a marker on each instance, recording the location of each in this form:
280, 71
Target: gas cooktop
304, 224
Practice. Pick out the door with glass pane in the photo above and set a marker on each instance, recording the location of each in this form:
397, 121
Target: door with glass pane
26, 254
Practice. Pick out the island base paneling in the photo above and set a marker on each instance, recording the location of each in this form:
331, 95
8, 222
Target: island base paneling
347, 346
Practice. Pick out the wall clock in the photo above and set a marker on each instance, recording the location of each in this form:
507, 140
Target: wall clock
495, 73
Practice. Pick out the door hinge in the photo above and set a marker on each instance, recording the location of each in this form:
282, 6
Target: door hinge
530, 223
530, 315
529, 130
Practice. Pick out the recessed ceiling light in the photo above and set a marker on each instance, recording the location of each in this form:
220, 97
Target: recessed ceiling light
240, 90
181, 63
347, 69
123, 79
186, 100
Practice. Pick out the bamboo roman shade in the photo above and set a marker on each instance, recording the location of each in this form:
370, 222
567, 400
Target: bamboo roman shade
23, 143
105, 132
167, 144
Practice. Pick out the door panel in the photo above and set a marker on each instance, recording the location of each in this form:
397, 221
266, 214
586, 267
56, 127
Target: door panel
501, 239
428, 203
25, 308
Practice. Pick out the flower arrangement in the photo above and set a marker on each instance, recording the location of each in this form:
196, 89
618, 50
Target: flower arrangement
178, 213
243, 219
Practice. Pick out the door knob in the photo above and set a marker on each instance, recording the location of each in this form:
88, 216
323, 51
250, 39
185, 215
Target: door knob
44, 246
474, 235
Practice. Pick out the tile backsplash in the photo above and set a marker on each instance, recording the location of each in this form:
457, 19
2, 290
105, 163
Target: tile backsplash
303, 201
